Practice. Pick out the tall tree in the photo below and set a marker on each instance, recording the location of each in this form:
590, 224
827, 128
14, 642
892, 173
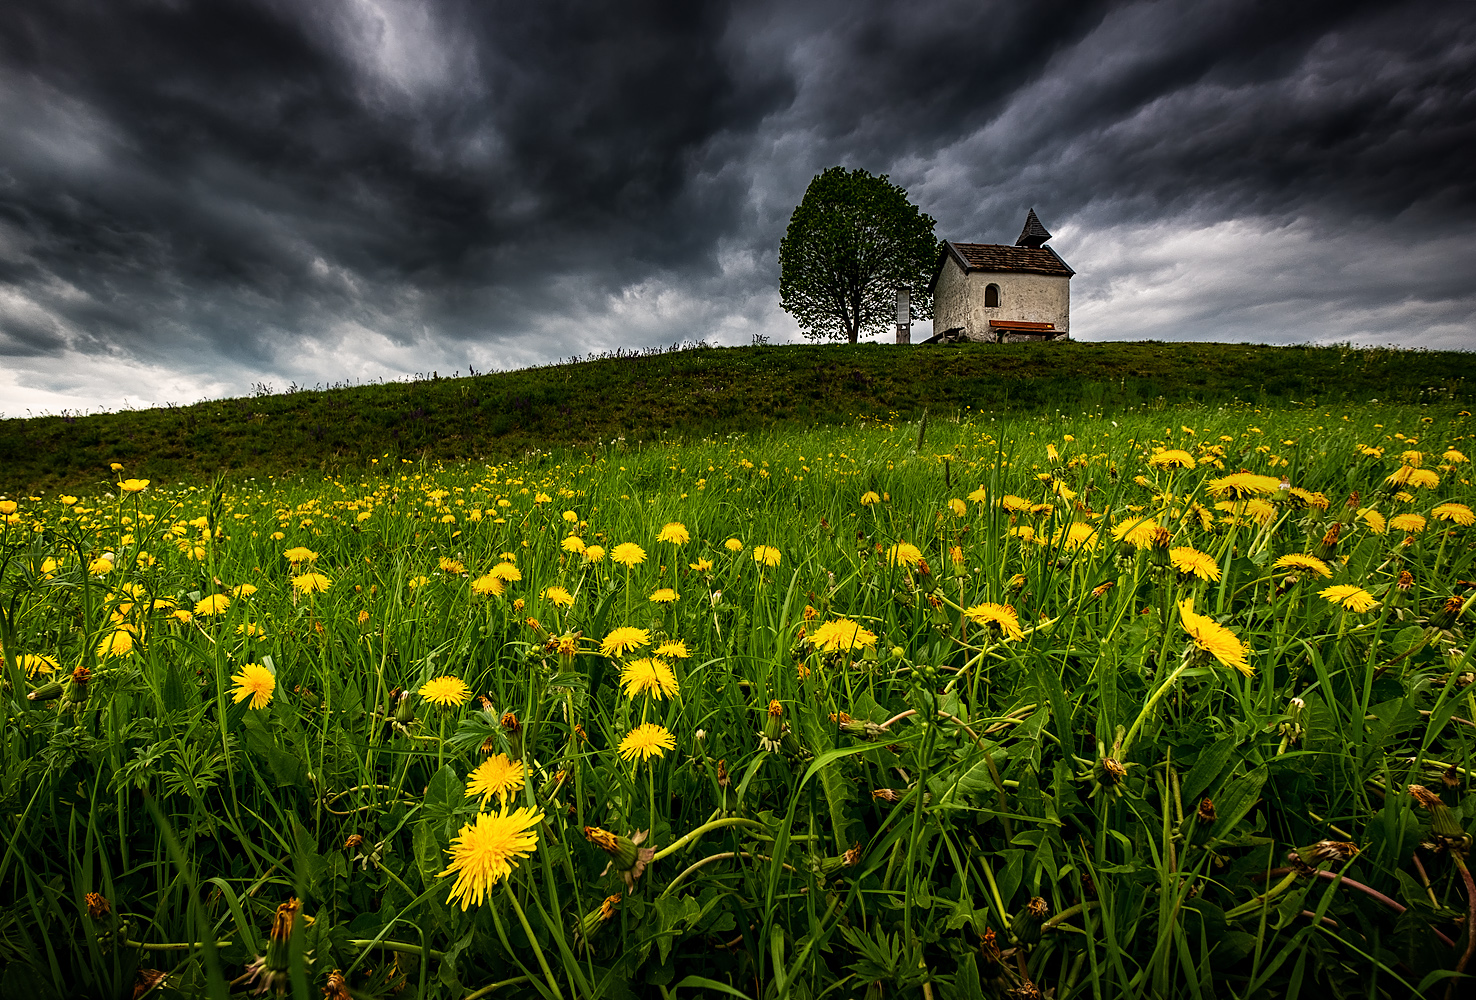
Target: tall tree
852, 242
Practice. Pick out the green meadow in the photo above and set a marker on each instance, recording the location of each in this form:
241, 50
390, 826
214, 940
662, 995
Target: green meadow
1106, 671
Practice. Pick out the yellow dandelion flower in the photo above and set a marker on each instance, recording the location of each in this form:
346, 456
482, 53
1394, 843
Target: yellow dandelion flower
213, 605
674, 649
904, 554
1412, 523
1456, 512
244, 590
506, 572
1452, 456
628, 554
485, 851
1301, 562
649, 676
449, 565
571, 517
766, 555
1240, 485
1172, 458
311, 583
1078, 535
251, 630
101, 566
664, 595
36, 663
448, 692
870, 497
558, 597
624, 639
119, 642
978, 496
573, 544
1351, 597
959, 508
133, 485
497, 775
1137, 531
594, 553
256, 682
1001, 617
840, 634
733, 545
1014, 504
1214, 638
1374, 520
701, 565
488, 585
674, 533
646, 741
1189, 561
298, 554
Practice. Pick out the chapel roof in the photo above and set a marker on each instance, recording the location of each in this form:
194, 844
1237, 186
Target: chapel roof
997, 257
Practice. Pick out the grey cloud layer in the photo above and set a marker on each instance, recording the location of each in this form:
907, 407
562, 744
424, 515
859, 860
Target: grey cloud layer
227, 188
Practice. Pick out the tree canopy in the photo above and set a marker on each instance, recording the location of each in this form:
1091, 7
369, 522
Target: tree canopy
853, 241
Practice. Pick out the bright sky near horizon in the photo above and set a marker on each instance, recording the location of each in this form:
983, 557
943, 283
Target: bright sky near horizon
200, 195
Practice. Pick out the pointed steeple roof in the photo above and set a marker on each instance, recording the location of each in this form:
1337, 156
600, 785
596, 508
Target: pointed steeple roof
1034, 235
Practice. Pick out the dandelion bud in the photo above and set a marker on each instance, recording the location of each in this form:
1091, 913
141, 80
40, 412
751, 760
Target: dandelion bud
723, 779
991, 962
353, 843
514, 730
404, 711
1444, 826
1027, 923
46, 692
75, 695
774, 721
591, 922
1110, 772
627, 857
270, 972
885, 795
1206, 811
1327, 851
337, 987
1448, 613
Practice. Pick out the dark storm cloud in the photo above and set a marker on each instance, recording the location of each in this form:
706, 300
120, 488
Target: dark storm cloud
356, 187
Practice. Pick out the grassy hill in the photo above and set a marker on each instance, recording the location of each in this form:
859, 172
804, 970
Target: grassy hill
692, 393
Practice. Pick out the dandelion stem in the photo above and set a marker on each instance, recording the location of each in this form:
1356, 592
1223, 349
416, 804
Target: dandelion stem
553, 983
1168, 682
708, 827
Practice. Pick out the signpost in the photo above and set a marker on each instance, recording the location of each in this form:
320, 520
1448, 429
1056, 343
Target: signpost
904, 316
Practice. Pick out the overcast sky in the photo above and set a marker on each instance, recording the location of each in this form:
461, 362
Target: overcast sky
201, 195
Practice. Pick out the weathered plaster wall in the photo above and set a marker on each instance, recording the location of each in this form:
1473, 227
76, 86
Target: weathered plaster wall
958, 300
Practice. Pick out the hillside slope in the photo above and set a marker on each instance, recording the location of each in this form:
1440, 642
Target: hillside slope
695, 392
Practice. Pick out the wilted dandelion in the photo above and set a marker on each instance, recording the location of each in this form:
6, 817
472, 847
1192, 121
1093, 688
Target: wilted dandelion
485, 851
646, 741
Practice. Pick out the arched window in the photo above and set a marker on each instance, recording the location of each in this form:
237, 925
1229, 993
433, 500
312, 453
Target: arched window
991, 296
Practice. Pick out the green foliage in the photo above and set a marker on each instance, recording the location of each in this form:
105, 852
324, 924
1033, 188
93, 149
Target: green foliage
852, 242
1097, 807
